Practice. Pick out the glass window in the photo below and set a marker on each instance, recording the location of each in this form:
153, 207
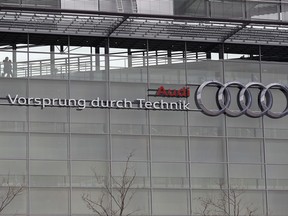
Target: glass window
198, 195
207, 149
122, 146
120, 91
253, 200
129, 170
44, 146
229, 9
244, 126
48, 119
49, 201
9, 2
77, 204
12, 167
47, 62
208, 175
246, 176
48, 116
201, 71
13, 145
46, 3
128, 67
276, 128
89, 173
277, 202
274, 72
244, 71
49, 173
89, 121
15, 170
170, 202
276, 151
277, 177
20, 63
13, 87
258, 10
155, 6
138, 168
128, 117
169, 149
129, 122
190, 8
88, 90
168, 123
48, 88
139, 203
169, 169
89, 147
108, 5
163, 68
13, 118
245, 150
284, 10
239, 53
18, 204
245, 200
13, 58
80, 4
170, 175
203, 125
87, 63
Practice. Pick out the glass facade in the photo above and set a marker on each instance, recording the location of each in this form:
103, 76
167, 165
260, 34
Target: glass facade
237, 9
178, 156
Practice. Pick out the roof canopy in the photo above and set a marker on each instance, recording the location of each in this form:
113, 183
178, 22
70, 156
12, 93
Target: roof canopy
142, 26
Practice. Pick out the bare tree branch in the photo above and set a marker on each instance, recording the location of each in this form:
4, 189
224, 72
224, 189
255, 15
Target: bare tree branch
117, 193
8, 192
229, 203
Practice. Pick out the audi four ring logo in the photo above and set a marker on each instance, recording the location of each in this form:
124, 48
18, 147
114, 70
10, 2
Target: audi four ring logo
244, 99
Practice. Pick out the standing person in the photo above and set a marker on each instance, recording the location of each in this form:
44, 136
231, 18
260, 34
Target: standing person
7, 67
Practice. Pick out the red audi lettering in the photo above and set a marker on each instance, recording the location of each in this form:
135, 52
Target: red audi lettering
172, 93
161, 91
183, 92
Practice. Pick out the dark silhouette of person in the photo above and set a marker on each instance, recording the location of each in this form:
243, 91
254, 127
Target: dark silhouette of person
7, 67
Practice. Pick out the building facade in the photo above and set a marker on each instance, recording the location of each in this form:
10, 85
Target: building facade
67, 56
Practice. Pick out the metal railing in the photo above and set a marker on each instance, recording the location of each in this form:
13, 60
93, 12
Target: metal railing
119, 67
144, 182
142, 129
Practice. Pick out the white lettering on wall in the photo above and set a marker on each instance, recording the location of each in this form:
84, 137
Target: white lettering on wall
81, 104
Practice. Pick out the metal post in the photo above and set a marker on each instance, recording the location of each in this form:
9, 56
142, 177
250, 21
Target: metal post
221, 51
208, 55
97, 58
169, 54
107, 63
129, 58
52, 60
14, 60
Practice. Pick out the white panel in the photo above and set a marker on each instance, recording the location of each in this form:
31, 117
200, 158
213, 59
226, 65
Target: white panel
170, 202
49, 201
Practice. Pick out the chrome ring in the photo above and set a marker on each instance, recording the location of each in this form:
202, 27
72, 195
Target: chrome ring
244, 99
